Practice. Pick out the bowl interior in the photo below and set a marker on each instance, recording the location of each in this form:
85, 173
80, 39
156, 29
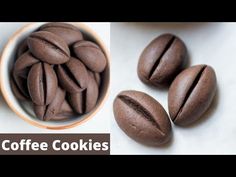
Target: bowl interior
24, 109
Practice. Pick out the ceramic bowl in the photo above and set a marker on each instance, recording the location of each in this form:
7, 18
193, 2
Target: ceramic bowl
23, 109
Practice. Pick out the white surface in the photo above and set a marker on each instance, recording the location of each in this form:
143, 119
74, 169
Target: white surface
9, 122
207, 43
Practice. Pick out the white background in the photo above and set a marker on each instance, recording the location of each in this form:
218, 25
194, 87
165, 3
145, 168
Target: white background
11, 123
207, 43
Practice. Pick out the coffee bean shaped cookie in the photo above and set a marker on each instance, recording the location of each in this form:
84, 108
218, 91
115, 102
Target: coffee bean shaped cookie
91, 93
23, 64
191, 94
142, 118
20, 72
23, 47
47, 112
77, 101
42, 83
85, 101
16, 91
162, 60
91, 55
65, 112
97, 78
48, 47
21, 84
69, 33
72, 76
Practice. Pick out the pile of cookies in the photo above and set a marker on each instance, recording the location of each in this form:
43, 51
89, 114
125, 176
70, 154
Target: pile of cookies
59, 71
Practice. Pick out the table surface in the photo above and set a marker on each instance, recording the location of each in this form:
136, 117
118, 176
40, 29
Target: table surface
11, 123
207, 43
